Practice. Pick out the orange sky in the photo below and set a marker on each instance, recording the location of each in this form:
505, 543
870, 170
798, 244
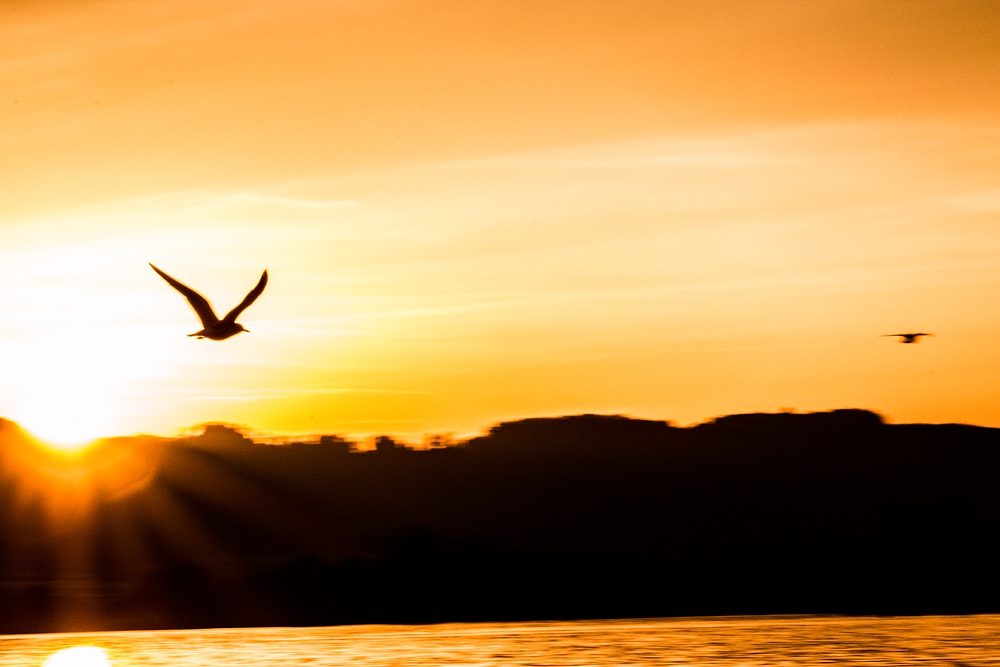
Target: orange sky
479, 211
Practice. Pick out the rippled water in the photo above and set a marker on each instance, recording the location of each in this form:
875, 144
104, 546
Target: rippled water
954, 640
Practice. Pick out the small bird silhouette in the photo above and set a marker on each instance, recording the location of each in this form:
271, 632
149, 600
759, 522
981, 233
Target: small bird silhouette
214, 328
908, 338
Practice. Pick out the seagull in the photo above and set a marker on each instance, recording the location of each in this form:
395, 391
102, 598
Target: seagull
907, 338
214, 328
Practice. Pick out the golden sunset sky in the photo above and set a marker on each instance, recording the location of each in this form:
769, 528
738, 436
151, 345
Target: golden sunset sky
478, 211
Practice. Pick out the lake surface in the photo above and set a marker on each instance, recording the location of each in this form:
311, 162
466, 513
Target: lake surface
768, 640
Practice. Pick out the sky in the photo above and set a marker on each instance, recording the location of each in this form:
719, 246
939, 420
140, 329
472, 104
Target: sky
477, 211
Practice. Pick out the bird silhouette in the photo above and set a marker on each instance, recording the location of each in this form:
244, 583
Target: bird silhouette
908, 338
214, 328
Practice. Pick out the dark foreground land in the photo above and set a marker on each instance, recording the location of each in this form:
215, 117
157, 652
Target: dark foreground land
574, 517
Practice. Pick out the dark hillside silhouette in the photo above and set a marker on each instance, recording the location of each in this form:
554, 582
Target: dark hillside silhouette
569, 517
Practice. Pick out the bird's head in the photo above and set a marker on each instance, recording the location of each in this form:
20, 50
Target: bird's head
242, 328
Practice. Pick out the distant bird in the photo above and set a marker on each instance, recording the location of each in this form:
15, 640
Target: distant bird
907, 338
214, 328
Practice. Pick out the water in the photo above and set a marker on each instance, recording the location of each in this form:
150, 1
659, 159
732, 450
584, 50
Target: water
964, 641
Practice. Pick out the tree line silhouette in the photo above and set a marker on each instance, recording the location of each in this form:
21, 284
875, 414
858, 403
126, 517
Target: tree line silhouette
584, 516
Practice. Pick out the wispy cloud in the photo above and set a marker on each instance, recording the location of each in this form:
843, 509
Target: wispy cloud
284, 202
612, 162
272, 394
720, 151
214, 201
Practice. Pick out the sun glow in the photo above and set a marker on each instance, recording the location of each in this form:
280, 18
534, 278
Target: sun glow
63, 405
70, 367
63, 417
69, 388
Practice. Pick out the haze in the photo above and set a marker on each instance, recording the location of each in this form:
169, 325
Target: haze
473, 212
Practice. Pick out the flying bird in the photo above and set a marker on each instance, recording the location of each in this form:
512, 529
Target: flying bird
907, 338
214, 328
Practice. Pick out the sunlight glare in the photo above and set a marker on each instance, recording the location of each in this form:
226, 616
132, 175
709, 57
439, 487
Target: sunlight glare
69, 368
78, 656
66, 386
65, 417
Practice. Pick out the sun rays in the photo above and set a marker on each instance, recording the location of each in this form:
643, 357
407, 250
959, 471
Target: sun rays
106, 530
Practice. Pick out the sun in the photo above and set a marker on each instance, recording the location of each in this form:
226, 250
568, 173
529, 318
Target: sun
83, 344
66, 416
78, 656
64, 399
70, 388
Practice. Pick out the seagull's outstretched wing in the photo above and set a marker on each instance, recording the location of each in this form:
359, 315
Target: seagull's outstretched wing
247, 300
200, 304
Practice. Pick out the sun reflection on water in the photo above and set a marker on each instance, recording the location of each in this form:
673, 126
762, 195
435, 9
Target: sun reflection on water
78, 656
762, 641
